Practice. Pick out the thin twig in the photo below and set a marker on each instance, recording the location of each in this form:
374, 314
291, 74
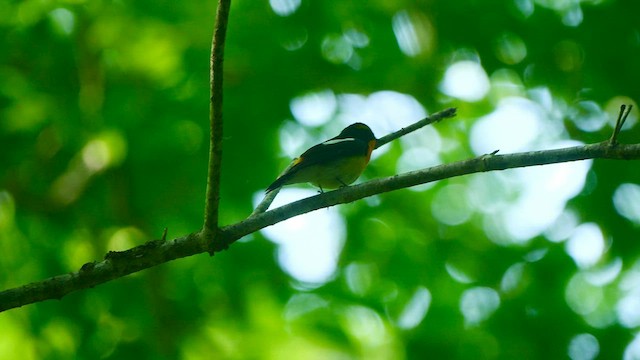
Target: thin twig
622, 117
212, 200
447, 113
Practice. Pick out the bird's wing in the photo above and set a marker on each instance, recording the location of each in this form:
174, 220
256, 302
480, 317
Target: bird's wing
330, 150
322, 153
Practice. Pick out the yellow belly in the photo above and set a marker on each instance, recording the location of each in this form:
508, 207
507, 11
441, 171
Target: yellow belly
338, 174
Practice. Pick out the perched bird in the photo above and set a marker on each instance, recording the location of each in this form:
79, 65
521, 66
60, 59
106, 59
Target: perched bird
336, 162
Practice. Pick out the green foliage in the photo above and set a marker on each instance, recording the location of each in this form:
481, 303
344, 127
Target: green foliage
104, 140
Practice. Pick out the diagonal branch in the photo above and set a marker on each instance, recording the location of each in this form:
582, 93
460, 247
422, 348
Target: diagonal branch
212, 200
119, 264
446, 113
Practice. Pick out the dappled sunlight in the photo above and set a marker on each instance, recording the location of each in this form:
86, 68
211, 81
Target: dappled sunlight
301, 304
104, 126
414, 32
506, 83
284, 7
371, 335
416, 309
7, 210
626, 200
526, 7
582, 296
449, 205
63, 20
510, 48
512, 279
337, 49
588, 116
384, 111
360, 278
529, 214
569, 11
314, 109
632, 352
418, 158
532, 213
458, 274
586, 245
342, 48
604, 273
465, 80
514, 126
309, 245
562, 227
628, 305
583, 347
103, 151
477, 304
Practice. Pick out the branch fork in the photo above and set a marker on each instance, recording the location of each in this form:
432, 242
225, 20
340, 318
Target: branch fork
622, 117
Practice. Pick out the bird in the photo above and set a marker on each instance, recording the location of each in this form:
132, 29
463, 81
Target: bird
334, 163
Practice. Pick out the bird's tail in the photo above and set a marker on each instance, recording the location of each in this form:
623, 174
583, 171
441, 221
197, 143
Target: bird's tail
276, 184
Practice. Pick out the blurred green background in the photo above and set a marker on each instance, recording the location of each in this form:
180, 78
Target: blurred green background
103, 143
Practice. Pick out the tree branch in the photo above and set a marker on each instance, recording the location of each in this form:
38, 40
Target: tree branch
118, 264
446, 113
212, 200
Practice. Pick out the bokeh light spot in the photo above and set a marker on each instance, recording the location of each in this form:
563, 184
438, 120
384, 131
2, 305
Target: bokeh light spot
450, 205
626, 200
510, 48
359, 277
336, 49
416, 309
414, 33
478, 304
284, 7
586, 245
583, 347
512, 278
308, 245
581, 296
465, 80
457, 274
588, 116
314, 109
513, 126
7, 210
64, 20
632, 351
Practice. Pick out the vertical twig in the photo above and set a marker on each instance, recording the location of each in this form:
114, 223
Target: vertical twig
215, 118
622, 117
